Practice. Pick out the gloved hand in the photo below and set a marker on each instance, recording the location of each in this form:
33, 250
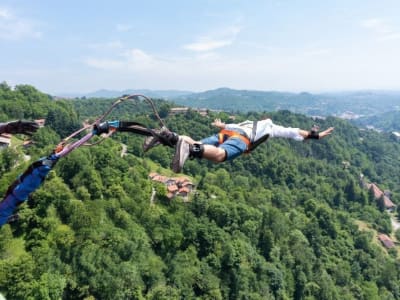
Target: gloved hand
25, 127
101, 128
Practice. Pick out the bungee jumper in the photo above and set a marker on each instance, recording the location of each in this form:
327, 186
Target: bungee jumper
234, 140
36, 173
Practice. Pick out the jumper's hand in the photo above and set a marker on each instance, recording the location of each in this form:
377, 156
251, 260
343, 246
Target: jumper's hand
326, 132
101, 128
218, 123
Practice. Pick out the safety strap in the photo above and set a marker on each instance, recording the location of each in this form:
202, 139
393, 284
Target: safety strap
135, 127
261, 140
225, 134
254, 131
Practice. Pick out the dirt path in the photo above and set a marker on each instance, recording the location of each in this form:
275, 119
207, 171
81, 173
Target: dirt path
153, 194
123, 151
395, 222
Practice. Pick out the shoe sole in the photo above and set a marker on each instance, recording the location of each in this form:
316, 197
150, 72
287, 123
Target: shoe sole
175, 162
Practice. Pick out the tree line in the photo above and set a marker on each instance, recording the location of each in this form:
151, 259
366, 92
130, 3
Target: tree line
287, 221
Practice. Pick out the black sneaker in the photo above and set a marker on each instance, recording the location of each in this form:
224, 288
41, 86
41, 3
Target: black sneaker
181, 155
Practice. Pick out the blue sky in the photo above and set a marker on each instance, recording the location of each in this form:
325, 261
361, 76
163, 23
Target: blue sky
282, 45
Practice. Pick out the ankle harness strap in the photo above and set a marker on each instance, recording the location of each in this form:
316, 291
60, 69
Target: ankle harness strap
196, 151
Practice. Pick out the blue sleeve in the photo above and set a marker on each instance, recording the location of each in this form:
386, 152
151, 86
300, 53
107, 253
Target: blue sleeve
27, 183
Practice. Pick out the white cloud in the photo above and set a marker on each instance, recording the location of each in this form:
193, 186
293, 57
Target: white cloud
107, 45
207, 45
130, 60
381, 28
4, 13
104, 64
376, 25
216, 40
139, 56
16, 28
390, 36
123, 27
317, 52
277, 68
207, 56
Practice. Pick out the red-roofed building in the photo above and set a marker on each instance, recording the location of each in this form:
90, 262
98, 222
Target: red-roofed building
152, 174
5, 140
176, 186
158, 178
378, 193
386, 241
184, 191
172, 188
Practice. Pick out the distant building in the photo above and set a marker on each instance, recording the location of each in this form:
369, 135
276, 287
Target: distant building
396, 134
378, 193
27, 143
178, 110
41, 122
176, 186
172, 190
184, 191
346, 164
386, 241
371, 127
316, 118
5, 140
202, 111
183, 110
348, 115
157, 177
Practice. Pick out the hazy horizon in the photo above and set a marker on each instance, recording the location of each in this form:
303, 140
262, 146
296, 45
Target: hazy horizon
277, 45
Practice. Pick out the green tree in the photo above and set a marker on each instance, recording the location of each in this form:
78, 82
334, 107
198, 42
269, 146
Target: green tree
185, 272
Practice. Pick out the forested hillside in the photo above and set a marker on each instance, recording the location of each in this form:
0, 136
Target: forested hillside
288, 221
388, 121
366, 103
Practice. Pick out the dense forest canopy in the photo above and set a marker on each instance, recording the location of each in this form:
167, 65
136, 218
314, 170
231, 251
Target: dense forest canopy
288, 221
